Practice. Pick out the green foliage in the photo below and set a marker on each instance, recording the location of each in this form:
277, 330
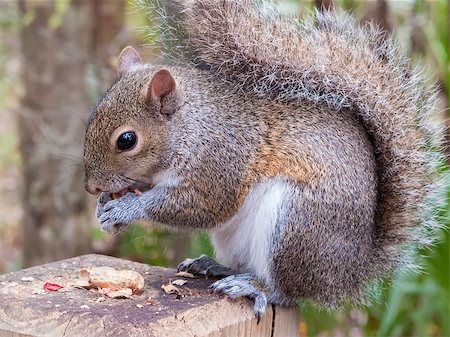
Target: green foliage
200, 244
418, 304
56, 19
140, 245
9, 155
436, 37
160, 247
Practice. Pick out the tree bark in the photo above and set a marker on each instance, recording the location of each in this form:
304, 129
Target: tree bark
324, 5
378, 11
61, 44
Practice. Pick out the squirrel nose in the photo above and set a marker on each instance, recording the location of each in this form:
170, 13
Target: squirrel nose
91, 187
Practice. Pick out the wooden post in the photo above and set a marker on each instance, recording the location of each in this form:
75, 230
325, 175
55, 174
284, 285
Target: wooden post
27, 310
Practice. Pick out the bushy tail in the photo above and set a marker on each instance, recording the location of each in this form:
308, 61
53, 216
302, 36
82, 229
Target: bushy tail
330, 59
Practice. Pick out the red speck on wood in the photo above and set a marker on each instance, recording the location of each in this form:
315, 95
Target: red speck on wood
52, 286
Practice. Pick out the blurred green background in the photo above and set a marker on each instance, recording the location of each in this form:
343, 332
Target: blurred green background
56, 60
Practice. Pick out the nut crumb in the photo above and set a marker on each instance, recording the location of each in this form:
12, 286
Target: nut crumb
185, 274
116, 280
170, 289
100, 299
178, 282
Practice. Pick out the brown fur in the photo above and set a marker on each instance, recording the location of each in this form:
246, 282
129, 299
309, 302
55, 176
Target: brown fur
277, 158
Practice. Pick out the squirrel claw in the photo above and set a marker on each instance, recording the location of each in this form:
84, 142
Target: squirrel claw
115, 215
204, 265
242, 285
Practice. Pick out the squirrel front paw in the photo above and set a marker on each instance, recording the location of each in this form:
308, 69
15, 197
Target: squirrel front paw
116, 215
243, 285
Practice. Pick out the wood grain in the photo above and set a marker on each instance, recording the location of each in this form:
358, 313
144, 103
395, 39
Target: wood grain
26, 310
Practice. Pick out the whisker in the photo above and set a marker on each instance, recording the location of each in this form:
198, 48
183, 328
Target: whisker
76, 164
122, 180
135, 237
60, 182
68, 156
130, 179
82, 119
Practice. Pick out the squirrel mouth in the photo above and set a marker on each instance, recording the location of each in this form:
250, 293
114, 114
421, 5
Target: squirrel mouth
136, 189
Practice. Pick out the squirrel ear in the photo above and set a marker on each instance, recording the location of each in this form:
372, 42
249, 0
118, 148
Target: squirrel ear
162, 84
128, 58
161, 92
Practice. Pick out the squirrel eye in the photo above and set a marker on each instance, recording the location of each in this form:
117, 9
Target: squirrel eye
126, 141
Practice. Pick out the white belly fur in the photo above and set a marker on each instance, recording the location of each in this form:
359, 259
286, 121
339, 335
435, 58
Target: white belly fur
244, 242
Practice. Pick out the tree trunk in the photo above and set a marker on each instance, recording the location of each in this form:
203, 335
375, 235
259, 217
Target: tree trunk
379, 12
63, 43
324, 5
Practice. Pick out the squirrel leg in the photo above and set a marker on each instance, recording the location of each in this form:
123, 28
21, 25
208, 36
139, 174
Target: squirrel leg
243, 285
204, 265
176, 206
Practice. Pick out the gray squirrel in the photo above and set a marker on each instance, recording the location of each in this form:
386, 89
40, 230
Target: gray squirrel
301, 146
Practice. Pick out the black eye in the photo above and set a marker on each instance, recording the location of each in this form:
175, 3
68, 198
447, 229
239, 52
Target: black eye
126, 141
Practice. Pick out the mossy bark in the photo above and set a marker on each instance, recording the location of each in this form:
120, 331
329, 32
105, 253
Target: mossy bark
65, 47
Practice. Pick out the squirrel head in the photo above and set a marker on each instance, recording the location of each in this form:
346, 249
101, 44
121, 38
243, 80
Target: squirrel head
127, 132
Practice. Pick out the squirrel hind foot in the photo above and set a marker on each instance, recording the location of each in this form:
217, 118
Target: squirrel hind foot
243, 285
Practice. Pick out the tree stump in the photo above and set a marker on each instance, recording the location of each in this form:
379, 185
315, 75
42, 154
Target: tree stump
26, 309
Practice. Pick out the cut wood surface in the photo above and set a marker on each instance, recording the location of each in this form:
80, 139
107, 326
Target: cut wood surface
26, 309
